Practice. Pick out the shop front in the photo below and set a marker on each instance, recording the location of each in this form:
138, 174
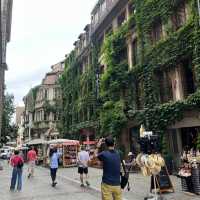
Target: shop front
183, 135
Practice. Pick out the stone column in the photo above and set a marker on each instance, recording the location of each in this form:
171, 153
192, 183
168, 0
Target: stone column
115, 24
127, 12
130, 53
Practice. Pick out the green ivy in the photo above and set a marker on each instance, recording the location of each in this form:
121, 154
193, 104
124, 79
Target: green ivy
117, 103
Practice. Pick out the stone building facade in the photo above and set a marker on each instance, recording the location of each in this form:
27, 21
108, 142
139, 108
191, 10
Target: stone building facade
5, 28
41, 115
106, 17
162, 52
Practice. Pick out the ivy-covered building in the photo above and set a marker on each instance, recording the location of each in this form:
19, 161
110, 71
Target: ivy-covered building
42, 110
144, 68
84, 66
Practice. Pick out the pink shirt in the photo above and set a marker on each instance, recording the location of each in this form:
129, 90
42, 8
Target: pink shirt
31, 155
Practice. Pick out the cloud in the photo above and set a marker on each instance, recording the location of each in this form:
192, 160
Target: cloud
43, 31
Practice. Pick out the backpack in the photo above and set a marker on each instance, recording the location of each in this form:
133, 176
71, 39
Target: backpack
125, 177
20, 164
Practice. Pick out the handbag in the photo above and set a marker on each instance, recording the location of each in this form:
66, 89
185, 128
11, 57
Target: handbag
124, 177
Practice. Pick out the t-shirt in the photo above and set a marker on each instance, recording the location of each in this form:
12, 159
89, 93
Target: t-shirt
83, 158
111, 167
31, 155
54, 160
15, 160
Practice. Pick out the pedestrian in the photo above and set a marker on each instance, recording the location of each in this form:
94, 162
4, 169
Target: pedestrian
54, 157
83, 160
31, 158
110, 158
17, 164
10, 153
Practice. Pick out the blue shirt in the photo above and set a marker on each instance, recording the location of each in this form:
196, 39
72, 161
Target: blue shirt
111, 167
54, 160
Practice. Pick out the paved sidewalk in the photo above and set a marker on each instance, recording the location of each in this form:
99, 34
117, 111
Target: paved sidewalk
139, 184
39, 187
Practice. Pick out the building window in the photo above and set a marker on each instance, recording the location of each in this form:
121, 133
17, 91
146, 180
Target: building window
165, 92
123, 55
55, 116
91, 112
109, 30
134, 50
131, 8
188, 79
140, 94
46, 94
103, 6
157, 31
179, 16
81, 68
122, 18
45, 116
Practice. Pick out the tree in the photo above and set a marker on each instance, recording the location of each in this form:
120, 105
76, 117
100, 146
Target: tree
8, 129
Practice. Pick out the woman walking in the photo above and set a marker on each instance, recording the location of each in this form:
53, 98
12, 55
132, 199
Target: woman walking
17, 163
54, 157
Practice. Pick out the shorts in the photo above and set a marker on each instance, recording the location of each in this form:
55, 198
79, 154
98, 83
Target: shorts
111, 192
82, 170
31, 165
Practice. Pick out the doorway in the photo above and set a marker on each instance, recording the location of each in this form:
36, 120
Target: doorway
189, 137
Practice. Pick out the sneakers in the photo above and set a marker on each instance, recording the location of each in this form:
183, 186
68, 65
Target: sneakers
87, 183
54, 184
29, 175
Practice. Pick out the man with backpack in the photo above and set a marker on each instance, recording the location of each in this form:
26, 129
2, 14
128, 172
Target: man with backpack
17, 164
110, 187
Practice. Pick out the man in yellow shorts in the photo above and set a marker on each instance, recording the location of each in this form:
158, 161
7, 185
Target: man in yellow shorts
110, 187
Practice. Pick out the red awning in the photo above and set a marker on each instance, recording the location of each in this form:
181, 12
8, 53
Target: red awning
89, 142
71, 142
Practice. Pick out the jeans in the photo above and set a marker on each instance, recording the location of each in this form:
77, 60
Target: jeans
53, 174
16, 177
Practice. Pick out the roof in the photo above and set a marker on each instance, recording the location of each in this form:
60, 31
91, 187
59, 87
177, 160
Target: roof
50, 79
64, 142
37, 141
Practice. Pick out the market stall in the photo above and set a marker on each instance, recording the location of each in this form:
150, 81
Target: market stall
91, 147
68, 149
70, 153
190, 171
39, 146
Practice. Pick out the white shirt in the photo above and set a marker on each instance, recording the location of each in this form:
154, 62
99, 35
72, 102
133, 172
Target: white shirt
83, 158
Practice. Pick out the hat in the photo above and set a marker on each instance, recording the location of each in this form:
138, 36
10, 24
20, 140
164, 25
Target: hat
155, 170
145, 171
130, 154
138, 160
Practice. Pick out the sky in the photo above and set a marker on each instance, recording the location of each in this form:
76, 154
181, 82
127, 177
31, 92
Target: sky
42, 33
